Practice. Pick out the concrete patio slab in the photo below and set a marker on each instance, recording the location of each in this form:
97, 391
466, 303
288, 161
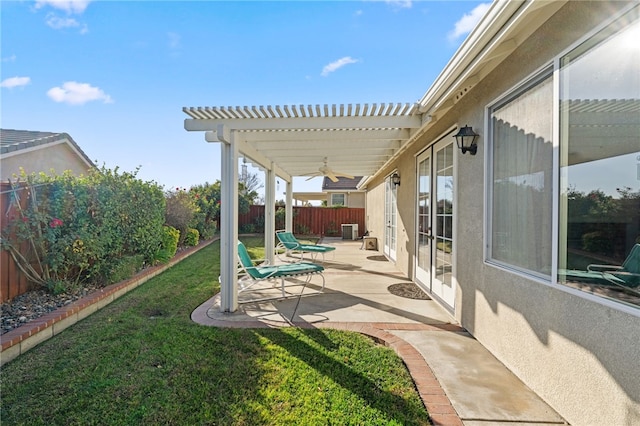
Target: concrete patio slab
478, 385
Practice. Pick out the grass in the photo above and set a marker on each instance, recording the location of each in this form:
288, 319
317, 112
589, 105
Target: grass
141, 360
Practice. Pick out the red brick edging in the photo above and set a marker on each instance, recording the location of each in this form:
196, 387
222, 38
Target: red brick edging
18, 341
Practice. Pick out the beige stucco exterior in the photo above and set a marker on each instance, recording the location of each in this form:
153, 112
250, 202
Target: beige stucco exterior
355, 200
59, 157
579, 354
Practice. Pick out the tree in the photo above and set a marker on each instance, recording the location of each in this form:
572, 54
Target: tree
248, 185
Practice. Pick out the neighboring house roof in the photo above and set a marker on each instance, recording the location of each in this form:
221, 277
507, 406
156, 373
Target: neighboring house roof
343, 184
14, 141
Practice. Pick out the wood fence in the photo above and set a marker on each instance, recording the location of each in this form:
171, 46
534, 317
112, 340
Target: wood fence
320, 221
12, 281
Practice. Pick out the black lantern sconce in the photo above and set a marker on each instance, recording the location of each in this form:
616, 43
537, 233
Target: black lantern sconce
466, 140
395, 179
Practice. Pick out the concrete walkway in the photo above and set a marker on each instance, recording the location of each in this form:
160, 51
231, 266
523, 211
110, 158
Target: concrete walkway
459, 381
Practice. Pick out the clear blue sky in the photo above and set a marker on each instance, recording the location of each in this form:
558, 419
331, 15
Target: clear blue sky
115, 74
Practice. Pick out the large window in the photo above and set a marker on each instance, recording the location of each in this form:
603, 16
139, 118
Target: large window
600, 164
598, 169
521, 178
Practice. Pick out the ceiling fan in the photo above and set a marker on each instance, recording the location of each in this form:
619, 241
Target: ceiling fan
324, 170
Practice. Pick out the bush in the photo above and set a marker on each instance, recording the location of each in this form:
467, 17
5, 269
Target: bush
207, 200
597, 242
192, 238
247, 228
301, 229
181, 211
81, 227
125, 268
258, 223
168, 245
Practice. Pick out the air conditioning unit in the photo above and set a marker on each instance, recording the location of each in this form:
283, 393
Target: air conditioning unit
350, 231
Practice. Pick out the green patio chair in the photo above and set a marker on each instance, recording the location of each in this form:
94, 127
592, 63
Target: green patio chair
629, 271
252, 274
290, 245
626, 275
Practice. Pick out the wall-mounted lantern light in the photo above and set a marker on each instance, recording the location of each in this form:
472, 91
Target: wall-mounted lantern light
466, 140
395, 179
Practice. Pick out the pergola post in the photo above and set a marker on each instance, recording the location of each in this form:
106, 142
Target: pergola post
288, 224
270, 213
228, 220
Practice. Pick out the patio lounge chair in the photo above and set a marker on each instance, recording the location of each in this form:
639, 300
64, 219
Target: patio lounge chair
253, 274
629, 271
626, 275
291, 245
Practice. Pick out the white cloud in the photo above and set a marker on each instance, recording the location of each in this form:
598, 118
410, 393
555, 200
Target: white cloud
469, 21
69, 6
11, 58
75, 93
58, 23
333, 66
404, 4
12, 82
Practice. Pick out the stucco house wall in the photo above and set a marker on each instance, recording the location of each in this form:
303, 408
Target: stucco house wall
36, 152
59, 157
356, 200
580, 355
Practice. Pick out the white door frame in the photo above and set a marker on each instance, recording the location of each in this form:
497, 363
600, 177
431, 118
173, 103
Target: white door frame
390, 218
438, 276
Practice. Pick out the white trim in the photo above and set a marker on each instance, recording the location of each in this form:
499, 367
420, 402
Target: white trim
531, 81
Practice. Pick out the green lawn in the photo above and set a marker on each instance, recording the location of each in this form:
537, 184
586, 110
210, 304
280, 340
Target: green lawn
141, 360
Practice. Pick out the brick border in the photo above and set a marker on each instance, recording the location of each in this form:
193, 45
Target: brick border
19, 340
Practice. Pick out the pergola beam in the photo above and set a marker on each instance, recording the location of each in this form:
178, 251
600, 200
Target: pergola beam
322, 135
316, 123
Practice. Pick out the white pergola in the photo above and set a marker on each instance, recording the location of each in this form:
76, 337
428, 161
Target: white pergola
288, 141
360, 140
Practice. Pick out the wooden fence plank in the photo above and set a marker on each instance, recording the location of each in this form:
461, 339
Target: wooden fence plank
12, 281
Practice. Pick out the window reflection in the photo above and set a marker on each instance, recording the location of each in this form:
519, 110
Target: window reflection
600, 166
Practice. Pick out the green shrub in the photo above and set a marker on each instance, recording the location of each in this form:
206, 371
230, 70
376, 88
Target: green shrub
597, 242
181, 211
301, 229
206, 227
168, 245
258, 223
125, 268
81, 227
247, 228
170, 238
192, 238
